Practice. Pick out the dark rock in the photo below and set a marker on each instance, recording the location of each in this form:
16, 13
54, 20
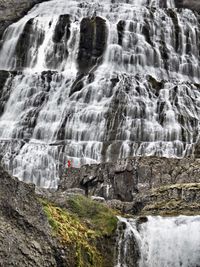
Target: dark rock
62, 29
141, 220
24, 43
156, 85
124, 179
5, 87
3, 78
77, 85
60, 38
120, 28
131, 255
146, 31
25, 236
93, 38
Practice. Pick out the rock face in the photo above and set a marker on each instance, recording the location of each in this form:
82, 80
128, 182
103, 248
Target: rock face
141, 186
92, 44
176, 199
25, 238
126, 239
12, 10
28, 236
123, 179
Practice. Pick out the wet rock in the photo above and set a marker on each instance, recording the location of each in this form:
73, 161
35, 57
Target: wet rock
141, 220
120, 28
77, 85
3, 77
60, 38
26, 39
131, 255
5, 87
62, 28
93, 37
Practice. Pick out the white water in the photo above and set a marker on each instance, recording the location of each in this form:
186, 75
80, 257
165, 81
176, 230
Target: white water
163, 242
43, 124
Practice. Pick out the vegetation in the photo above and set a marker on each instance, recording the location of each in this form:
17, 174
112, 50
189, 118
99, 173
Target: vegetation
101, 218
81, 226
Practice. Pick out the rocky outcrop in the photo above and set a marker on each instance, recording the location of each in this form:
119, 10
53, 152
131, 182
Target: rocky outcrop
141, 186
36, 232
93, 37
12, 10
24, 43
177, 199
60, 38
25, 238
124, 179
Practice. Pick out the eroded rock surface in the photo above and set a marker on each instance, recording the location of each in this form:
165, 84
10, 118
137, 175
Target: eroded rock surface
123, 179
25, 235
29, 223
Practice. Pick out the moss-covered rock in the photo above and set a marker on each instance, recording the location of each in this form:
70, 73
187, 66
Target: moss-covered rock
87, 226
71, 231
102, 219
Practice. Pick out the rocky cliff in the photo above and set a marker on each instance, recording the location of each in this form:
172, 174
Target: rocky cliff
141, 185
125, 178
36, 232
25, 238
50, 228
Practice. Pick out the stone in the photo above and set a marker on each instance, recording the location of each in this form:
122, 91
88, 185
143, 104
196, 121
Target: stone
25, 236
98, 199
93, 38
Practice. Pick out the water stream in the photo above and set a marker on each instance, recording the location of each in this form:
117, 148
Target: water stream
161, 242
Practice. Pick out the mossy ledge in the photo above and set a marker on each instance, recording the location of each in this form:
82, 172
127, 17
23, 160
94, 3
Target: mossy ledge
82, 226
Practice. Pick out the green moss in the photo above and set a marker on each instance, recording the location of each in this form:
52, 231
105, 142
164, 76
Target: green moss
82, 225
71, 231
101, 218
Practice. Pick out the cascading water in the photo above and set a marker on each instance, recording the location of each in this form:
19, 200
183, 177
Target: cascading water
94, 82
161, 242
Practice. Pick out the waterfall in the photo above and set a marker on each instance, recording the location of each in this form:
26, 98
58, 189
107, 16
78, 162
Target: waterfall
94, 82
162, 242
